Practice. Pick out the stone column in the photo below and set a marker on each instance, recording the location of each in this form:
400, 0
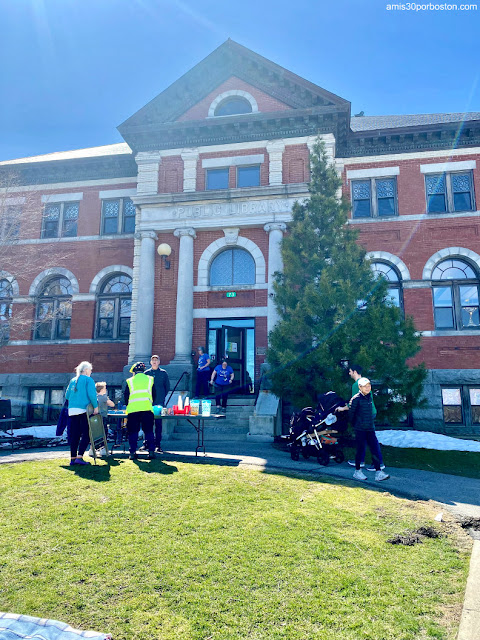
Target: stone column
148, 164
275, 232
190, 157
145, 296
275, 150
184, 317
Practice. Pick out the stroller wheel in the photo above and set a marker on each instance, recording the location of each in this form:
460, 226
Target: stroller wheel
340, 457
294, 453
323, 458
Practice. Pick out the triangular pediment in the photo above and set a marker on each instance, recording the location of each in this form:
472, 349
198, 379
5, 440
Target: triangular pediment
186, 100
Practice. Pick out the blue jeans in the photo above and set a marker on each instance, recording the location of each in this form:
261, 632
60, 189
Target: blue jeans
362, 438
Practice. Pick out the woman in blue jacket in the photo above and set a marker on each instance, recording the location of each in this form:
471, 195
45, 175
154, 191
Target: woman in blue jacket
80, 393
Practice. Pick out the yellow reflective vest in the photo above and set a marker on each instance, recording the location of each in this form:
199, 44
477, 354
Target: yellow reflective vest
140, 398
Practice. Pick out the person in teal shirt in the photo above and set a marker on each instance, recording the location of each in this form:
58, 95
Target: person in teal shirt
80, 393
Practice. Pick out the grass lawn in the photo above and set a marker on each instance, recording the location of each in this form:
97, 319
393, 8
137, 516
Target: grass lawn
458, 463
175, 550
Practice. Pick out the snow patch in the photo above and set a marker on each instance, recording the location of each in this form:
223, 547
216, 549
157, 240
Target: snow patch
425, 440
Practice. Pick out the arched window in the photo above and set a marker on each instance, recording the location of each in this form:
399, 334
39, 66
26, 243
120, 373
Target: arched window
232, 106
54, 310
6, 298
232, 266
387, 271
455, 295
114, 307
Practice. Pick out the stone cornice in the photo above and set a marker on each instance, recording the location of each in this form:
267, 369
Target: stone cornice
410, 139
227, 130
223, 195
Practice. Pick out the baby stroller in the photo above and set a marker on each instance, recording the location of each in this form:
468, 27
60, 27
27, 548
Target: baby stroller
317, 432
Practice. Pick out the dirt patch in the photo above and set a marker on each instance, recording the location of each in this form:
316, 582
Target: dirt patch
415, 537
470, 523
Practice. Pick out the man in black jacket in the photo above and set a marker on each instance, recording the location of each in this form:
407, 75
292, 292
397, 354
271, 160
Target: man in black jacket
161, 383
361, 417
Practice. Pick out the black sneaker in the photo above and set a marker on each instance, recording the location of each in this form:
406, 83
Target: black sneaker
352, 463
159, 450
133, 456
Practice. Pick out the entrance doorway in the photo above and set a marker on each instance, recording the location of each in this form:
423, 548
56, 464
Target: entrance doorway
234, 338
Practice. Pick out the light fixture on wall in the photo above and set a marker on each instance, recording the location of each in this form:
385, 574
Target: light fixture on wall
164, 250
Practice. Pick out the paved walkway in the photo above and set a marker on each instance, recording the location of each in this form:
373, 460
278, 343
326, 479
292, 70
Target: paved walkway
460, 496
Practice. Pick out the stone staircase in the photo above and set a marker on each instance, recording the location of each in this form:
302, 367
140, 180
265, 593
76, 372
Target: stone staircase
233, 428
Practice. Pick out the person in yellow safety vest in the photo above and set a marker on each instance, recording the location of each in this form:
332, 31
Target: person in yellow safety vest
139, 397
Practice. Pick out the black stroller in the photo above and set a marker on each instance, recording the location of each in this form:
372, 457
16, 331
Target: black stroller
318, 432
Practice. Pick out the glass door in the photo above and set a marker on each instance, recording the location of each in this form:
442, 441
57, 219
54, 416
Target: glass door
233, 343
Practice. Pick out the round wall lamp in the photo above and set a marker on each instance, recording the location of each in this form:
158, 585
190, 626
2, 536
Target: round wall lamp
164, 250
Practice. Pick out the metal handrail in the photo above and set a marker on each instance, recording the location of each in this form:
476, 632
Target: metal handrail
174, 388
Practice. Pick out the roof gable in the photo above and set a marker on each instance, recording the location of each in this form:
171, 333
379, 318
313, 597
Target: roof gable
229, 60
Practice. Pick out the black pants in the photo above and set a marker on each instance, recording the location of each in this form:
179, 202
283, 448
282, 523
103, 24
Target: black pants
158, 432
362, 438
143, 420
201, 386
221, 394
79, 435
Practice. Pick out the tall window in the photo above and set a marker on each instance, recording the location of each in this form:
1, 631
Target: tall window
232, 266
60, 220
233, 106
449, 192
461, 405
394, 291
375, 197
455, 295
118, 216
45, 404
54, 310
10, 217
6, 299
114, 308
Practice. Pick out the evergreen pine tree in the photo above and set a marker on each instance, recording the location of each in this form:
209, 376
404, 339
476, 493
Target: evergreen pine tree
334, 311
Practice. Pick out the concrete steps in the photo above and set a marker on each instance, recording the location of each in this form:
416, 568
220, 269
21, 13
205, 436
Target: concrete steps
234, 427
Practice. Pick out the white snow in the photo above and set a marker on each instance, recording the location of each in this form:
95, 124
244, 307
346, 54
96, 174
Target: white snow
425, 440
46, 431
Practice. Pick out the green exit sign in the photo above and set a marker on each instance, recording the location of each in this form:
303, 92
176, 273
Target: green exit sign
231, 294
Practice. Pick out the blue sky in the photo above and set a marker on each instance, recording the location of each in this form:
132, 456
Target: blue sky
72, 70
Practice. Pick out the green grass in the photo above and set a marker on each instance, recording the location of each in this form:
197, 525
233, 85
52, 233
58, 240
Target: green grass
458, 463
175, 550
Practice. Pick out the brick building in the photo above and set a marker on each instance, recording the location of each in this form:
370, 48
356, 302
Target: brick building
207, 176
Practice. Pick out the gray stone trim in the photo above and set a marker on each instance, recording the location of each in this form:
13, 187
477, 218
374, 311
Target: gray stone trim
116, 193
417, 284
231, 312
101, 275
443, 167
236, 287
420, 216
48, 273
4, 275
228, 94
449, 333
233, 161
66, 342
113, 236
392, 259
62, 197
219, 245
375, 172
449, 252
